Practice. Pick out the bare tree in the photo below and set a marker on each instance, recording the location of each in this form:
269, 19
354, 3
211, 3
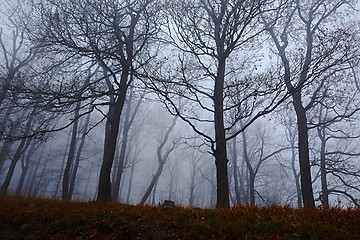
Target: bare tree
290, 132
69, 176
20, 150
256, 154
337, 151
309, 50
217, 84
162, 159
115, 34
17, 51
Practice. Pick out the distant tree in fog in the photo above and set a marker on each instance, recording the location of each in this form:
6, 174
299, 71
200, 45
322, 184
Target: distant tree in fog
162, 158
24, 119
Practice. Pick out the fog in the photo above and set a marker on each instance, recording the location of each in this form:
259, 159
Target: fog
211, 105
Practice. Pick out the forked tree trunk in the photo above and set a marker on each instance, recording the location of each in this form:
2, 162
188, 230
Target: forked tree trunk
111, 135
162, 158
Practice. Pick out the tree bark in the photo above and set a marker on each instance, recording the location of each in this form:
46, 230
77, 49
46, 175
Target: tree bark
303, 148
220, 151
111, 135
125, 136
24, 144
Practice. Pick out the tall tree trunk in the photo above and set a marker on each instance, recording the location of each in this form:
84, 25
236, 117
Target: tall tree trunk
125, 136
220, 151
194, 161
111, 135
303, 148
252, 188
296, 93
10, 173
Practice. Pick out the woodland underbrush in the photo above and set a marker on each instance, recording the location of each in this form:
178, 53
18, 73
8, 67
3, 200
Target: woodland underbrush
28, 218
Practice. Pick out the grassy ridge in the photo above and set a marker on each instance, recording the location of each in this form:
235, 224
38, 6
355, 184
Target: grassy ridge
22, 218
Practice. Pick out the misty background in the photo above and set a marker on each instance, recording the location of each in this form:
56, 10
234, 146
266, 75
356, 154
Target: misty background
205, 103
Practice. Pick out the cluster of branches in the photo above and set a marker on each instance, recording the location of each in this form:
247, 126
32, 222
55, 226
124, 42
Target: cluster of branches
204, 59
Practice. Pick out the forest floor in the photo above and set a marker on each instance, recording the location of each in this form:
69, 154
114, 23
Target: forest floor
22, 218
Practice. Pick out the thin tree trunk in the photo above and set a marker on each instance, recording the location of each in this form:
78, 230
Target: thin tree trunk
40, 180
71, 156
24, 144
78, 155
21, 180
152, 183
161, 161
324, 188
130, 184
296, 93
6, 146
235, 173
251, 178
296, 174
24, 167
32, 176
61, 173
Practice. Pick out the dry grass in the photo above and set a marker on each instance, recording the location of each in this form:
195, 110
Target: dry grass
22, 218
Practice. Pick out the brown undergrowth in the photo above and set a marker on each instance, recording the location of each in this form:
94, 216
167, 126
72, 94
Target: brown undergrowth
22, 218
